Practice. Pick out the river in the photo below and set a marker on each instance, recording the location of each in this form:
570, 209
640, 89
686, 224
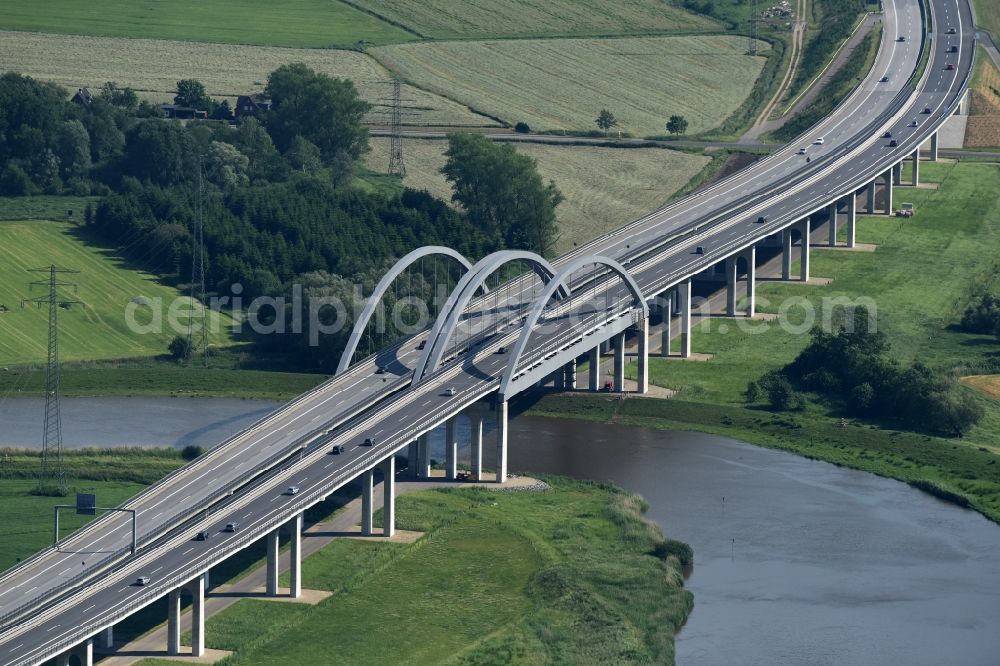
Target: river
796, 561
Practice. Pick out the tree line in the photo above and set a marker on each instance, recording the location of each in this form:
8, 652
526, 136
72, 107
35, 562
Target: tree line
277, 195
851, 368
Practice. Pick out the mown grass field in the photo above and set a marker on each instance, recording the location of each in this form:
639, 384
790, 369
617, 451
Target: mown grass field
576, 583
153, 66
988, 384
604, 187
446, 19
96, 329
562, 84
921, 277
988, 16
45, 207
305, 23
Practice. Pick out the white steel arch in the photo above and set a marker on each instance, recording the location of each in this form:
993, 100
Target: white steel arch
380, 289
450, 316
543, 298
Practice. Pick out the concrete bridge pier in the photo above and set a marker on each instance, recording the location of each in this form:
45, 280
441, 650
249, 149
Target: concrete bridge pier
934, 147
786, 254
594, 369
476, 447
871, 197
197, 589
832, 236
684, 297
424, 457
750, 255
852, 218
450, 449
888, 190
367, 504
897, 174
619, 364
501, 441
411, 459
731, 277
84, 652
272, 563
570, 375
667, 305
642, 374
388, 467
804, 232
174, 622
916, 168
295, 558
108, 638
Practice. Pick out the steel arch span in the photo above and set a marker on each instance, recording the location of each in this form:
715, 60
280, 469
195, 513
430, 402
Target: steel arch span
382, 287
538, 308
475, 279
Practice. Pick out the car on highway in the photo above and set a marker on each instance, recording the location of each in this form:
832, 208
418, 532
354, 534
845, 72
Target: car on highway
951, 31
949, 67
927, 109
380, 370
202, 535
887, 135
292, 490
423, 343
952, 49
450, 391
819, 141
893, 143
700, 249
914, 123
142, 580
502, 349
761, 219
337, 449
368, 442
901, 38
802, 151
885, 79
232, 527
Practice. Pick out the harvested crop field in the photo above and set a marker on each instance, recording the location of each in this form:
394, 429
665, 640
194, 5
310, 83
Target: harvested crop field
983, 127
153, 66
988, 384
446, 19
604, 187
564, 83
307, 23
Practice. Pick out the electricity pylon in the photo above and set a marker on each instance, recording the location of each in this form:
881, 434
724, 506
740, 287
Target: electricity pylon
53, 471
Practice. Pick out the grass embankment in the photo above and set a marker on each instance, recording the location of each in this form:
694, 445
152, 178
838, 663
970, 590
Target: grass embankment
837, 88
478, 19
563, 576
153, 67
921, 278
96, 329
605, 188
113, 475
303, 23
988, 17
643, 81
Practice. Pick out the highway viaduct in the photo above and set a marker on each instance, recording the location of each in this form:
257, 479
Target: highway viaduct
490, 345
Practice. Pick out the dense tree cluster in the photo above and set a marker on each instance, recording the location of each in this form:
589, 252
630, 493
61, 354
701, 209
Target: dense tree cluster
983, 316
502, 193
852, 367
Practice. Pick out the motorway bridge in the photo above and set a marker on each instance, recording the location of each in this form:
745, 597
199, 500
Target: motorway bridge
489, 345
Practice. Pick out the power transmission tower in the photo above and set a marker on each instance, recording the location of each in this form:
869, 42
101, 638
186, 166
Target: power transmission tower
198, 277
52, 471
396, 114
754, 29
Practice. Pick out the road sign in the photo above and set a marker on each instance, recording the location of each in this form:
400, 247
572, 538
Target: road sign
86, 504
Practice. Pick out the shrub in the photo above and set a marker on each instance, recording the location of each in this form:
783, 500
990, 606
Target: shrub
522, 128
982, 316
190, 452
667, 547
